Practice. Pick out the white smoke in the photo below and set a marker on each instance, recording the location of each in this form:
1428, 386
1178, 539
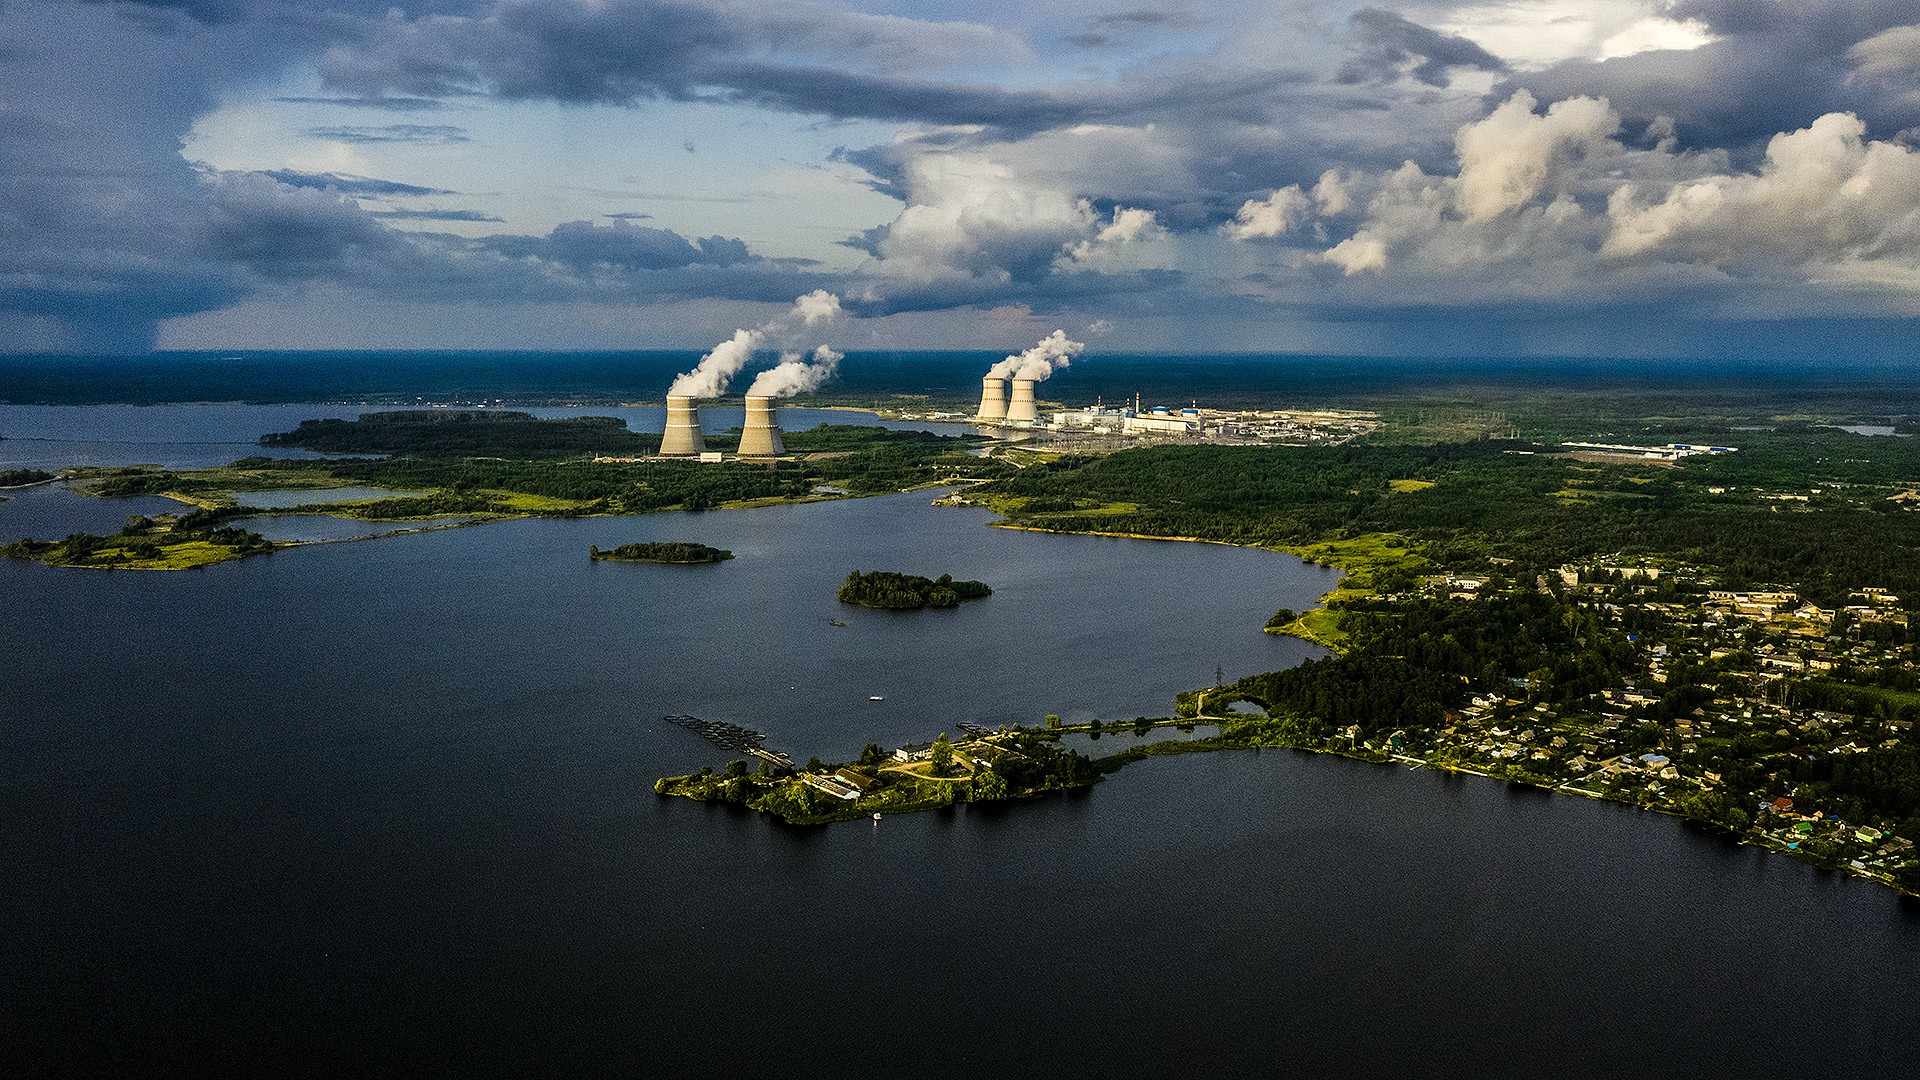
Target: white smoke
1051, 353
709, 378
794, 375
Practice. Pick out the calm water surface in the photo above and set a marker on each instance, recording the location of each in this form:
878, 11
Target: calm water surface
385, 807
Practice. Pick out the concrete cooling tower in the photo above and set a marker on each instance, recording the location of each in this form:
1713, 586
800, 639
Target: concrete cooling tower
993, 400
761, 435
1020, 409
682, 438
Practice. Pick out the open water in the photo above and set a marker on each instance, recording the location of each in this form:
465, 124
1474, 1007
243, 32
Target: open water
385, 808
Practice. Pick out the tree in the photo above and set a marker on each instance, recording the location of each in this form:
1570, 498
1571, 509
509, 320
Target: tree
942, 758
1053, 721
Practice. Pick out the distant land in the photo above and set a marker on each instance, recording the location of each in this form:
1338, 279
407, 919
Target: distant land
540, 378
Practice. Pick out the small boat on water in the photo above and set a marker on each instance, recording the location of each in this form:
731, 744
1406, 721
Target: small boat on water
876, 697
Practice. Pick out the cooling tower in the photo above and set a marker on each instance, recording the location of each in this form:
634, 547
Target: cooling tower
682, 438
1020, 409
993, 400
761, 435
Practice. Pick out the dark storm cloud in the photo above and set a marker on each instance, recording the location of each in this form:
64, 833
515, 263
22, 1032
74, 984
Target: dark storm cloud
350, 185
828, 62
1775, 67
387, 104
279, 231
428, 134
1385, 43
621, 245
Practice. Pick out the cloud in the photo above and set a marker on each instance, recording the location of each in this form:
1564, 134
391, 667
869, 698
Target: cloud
350, 185
1508, 158
387, 104
430, 134
434, 215
1769, 67
1825, 198
1388, 46
621, 245
1555, 210
1275, 215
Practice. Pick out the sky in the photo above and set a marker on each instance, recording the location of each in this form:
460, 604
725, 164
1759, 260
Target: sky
1515, 177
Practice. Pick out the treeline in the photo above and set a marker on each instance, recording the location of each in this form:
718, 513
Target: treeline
871, 460
666, 551
450, 433
908, 592
21, 477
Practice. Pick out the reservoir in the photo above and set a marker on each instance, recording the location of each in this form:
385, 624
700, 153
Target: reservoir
386, 807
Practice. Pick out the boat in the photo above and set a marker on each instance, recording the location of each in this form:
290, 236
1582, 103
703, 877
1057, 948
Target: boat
876, 697
876, 815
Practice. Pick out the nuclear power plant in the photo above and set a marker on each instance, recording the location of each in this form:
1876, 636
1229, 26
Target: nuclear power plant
760, 436
682, 437
993, 400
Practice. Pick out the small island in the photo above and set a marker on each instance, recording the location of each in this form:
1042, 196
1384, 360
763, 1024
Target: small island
164, 542
907, 592
676, 552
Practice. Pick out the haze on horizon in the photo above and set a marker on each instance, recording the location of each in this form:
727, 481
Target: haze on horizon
1528, 177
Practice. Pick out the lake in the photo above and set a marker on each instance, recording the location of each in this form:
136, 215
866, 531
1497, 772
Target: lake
385, 807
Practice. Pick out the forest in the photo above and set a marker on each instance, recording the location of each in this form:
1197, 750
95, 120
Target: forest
1511, 500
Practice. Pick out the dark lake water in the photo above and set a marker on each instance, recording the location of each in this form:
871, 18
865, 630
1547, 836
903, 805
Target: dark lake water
385, 807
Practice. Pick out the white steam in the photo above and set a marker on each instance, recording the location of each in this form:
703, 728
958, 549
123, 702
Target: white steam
1053, 352
795, 375
710, 376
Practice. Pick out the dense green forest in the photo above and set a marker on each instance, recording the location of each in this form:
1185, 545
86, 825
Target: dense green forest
908, 592
669, 551
1511, 501
19, 477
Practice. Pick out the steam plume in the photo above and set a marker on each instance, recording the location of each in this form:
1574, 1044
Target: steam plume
710, 377
1051, 353
794, 375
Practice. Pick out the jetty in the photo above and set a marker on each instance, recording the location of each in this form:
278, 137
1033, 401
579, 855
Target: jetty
733, 737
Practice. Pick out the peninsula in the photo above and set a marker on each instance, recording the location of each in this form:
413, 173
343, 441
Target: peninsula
1723, 636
